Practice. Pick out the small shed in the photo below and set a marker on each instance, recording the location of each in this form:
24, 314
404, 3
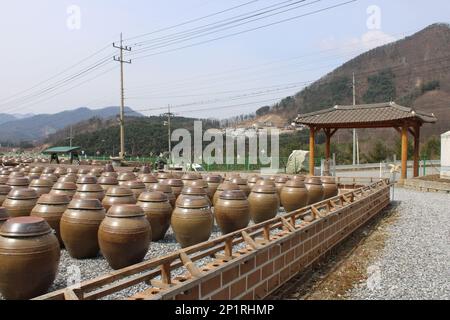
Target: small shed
55, 151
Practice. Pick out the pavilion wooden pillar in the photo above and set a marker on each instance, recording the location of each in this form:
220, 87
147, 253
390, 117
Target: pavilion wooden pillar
404, 152
416, 149
327, 144
311, 149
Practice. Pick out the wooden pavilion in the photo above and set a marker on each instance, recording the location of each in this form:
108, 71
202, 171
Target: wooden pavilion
380, 115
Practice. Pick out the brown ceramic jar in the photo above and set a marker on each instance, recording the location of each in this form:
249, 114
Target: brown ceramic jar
264, 203
51, 207
176, 185
60, 171
70, 177
3, 215
48, 170
124, 235
232, 211
149, 180
136, 186
96, 172
192, 221
64, 188
279, 183
108, 168
242, 183
315, 189
188, 178
79, 227
41, 186
49, 176
16, 174
158, 211
72, 170
213, 182
298, 177
118, 195
18, 183
200, 183
107, 182
111, 174
3, 180
4, 190
193, 191
90, 191
20, 202
294, 195
86, 179
265, 182
32, 268
124, 177
330, 188
166, 189
163, 176
82, 172
222, 187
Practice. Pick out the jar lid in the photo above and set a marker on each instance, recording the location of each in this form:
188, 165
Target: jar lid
83, 171
3, 214
295, 184
265, 188
107, 180
16, 174
145, 170
87, 180
162, 187
25, 227
72, 170
49, 176
228, 186
96, 170
199, 184
86, 204
233, 195
48, 170
192, 202
125, 211
253, 179
60, 170
108, 168
298, 177
175, 182
4, 189
65, 186
189, 176
313, 180
281, 179
3, 179
125, 176
153, 196
89, 188
148, 178
70, 177
265, 182
41, 183
213, 179
135, 184
164, 175
37, 169
239, 181
193, 190
18, 181
110, 174
119, 191
22, 194
53, 199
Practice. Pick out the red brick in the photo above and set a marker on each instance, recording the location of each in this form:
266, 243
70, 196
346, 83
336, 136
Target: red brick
307, 245
273, 282
267, 270
261, 291
279, 263
294, 268
247, 266
190, 294
222, 294
274, 251
230, 275
284, 275
290, 255
248, 296
210, 285
238, 288
286, 245
299, 251
253, 278
262, 257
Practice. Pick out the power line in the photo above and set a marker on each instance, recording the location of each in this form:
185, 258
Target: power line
248, 30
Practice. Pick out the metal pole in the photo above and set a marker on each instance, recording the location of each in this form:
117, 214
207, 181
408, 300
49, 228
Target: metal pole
354, 130
168, 134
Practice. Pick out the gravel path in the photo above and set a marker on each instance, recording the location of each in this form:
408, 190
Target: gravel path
415, 262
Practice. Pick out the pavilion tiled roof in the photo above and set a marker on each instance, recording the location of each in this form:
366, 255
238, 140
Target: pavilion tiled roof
367, 114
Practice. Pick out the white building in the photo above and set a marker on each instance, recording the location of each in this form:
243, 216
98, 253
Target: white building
445, 155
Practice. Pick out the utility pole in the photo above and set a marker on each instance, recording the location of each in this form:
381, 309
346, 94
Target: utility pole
354, 130
169, 114
122, 98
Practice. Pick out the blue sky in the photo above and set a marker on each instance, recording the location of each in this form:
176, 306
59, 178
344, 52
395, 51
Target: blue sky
219, 79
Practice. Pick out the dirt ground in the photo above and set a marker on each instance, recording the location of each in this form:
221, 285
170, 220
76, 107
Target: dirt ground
332, 278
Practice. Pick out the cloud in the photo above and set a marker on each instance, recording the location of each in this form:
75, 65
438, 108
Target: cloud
355, 45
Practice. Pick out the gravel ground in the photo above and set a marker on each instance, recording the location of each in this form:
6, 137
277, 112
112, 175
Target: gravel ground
415, 262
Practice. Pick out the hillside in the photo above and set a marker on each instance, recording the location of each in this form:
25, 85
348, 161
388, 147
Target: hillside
38, 127
414, 71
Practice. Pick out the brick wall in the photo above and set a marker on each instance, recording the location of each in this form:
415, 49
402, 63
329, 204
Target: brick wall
255, 273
